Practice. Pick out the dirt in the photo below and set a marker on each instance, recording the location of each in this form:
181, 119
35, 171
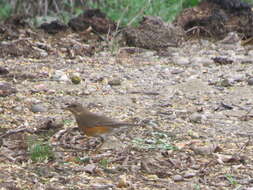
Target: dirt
194, 118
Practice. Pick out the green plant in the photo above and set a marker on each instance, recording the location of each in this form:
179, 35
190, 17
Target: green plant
40, 152
67, 122
157, 140
249, 1
104, 163
5, 10
196, 187
65, 16
129, 11
231, 179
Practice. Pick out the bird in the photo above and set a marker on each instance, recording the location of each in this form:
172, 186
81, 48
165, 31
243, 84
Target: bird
92, 124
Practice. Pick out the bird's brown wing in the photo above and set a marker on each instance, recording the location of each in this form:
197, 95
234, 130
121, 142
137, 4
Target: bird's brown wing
113, 124
91, 120
105, 121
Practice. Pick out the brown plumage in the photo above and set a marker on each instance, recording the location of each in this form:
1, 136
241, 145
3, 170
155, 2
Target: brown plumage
92, 124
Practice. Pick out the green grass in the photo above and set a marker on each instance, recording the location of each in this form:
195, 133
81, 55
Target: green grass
124, 11
128, 10
67, 122
40, 152
104, 163
196, 187
231, 179
5, 10
156, 141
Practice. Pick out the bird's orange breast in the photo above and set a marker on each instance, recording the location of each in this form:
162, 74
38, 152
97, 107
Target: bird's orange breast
95, 131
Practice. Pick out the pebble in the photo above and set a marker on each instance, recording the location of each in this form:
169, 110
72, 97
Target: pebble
38, 108
60, 76
75, 79
231, 38
3, 71
250, 52
148, 53
177, 178
177, 71
18, 108
250, 81
196, 167
195, 118
189, 175
90, 168
114, 82
246, 60
122, 182
225, 83
202, 60
237, 78
181, 61
43, 53
6, 89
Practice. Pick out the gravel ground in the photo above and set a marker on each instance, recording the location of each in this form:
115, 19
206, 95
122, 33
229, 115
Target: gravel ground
195, 118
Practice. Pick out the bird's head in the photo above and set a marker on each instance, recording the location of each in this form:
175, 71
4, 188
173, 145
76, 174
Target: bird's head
75, 108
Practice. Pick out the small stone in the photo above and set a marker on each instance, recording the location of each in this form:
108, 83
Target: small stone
38, 108
189, 175
148, 53
246, 60
43, 54
152, 177
90, 168
231, 38
225, 83
196, 167
196, 118
238, 78
114, 82
193, 134
202, 60
205, 149
112, 143
75, 79
181, 113
205, 42
181, 61
60, 76
177, 71
250, 81
40, 88
6, 89
122, 182
250, 52
3, 71
177, 178
18, 109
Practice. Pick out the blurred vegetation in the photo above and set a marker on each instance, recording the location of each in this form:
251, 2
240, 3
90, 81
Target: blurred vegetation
157, 140
40, 152
123, 11
129, 11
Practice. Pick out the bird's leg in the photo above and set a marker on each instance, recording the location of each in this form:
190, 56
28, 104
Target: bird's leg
99, 146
